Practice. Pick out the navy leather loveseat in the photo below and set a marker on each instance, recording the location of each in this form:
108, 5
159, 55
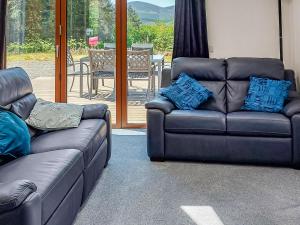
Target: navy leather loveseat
219, 131
50, 185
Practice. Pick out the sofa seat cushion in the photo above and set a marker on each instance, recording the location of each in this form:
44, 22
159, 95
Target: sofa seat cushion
87, 138
196, 121
54, 174
258, 124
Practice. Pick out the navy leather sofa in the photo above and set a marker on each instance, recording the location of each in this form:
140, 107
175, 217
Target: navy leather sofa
49, 185
219, 131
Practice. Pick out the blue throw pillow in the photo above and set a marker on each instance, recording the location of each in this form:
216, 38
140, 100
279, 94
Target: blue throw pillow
266, 95
14, 135
186, 93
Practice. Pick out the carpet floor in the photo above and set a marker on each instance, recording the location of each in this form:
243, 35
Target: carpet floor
135, 191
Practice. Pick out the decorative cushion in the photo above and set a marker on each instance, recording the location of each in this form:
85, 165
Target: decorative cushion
266, 95
14, 135
186, 93
54, 116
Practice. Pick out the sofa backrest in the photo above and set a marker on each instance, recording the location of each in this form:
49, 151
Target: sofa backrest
229, 79
239, 71
211, 73
16, 92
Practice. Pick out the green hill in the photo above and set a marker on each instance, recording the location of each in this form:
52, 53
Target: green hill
150, 13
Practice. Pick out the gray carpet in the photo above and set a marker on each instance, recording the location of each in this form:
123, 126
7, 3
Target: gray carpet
135, 191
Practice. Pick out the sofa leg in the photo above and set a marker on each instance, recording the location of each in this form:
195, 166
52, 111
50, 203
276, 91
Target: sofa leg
156, 159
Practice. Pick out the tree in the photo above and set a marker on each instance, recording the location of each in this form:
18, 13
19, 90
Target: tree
15, 29
133, 27
133, 18
77, 13
106, 20
33, 18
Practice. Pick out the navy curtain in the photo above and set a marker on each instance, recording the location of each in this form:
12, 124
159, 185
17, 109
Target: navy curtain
2, 31
190, 38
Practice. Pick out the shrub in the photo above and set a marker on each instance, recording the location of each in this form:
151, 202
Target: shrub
32, 46
159, 33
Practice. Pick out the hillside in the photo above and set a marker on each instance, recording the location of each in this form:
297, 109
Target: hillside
150, 13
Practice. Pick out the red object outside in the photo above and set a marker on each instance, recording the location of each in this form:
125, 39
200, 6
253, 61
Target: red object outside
93, 41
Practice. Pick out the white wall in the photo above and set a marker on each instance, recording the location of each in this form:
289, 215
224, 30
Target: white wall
291, 37
243, 28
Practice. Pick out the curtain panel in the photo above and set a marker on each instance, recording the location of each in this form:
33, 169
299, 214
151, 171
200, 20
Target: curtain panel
2, 31
190, 36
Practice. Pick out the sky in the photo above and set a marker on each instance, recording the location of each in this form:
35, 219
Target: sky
162, 3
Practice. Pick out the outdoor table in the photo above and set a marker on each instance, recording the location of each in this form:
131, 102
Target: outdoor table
156, 59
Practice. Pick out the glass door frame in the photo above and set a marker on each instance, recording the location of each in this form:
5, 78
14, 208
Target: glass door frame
59, 52
123, 65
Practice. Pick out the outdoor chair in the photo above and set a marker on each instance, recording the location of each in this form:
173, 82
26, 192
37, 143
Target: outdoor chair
141, 68
102, 66
75, 72
141, 47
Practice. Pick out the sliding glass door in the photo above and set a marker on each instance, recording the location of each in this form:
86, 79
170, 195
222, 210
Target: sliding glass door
150, 32
91, 53
30, 42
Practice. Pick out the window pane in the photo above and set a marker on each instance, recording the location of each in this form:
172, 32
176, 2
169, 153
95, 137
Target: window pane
30, 39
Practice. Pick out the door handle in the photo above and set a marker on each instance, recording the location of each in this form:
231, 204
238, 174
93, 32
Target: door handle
57, 51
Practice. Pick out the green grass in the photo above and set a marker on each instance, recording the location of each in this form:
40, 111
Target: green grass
31, 57
50, 56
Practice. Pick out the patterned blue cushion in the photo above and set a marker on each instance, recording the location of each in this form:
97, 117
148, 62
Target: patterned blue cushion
186, 93
266, 95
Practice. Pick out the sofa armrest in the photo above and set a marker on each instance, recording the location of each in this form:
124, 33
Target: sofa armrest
162, 104
295, 121
292, 108
94, 111
28, 213
108, 135
155, 134
13, 194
